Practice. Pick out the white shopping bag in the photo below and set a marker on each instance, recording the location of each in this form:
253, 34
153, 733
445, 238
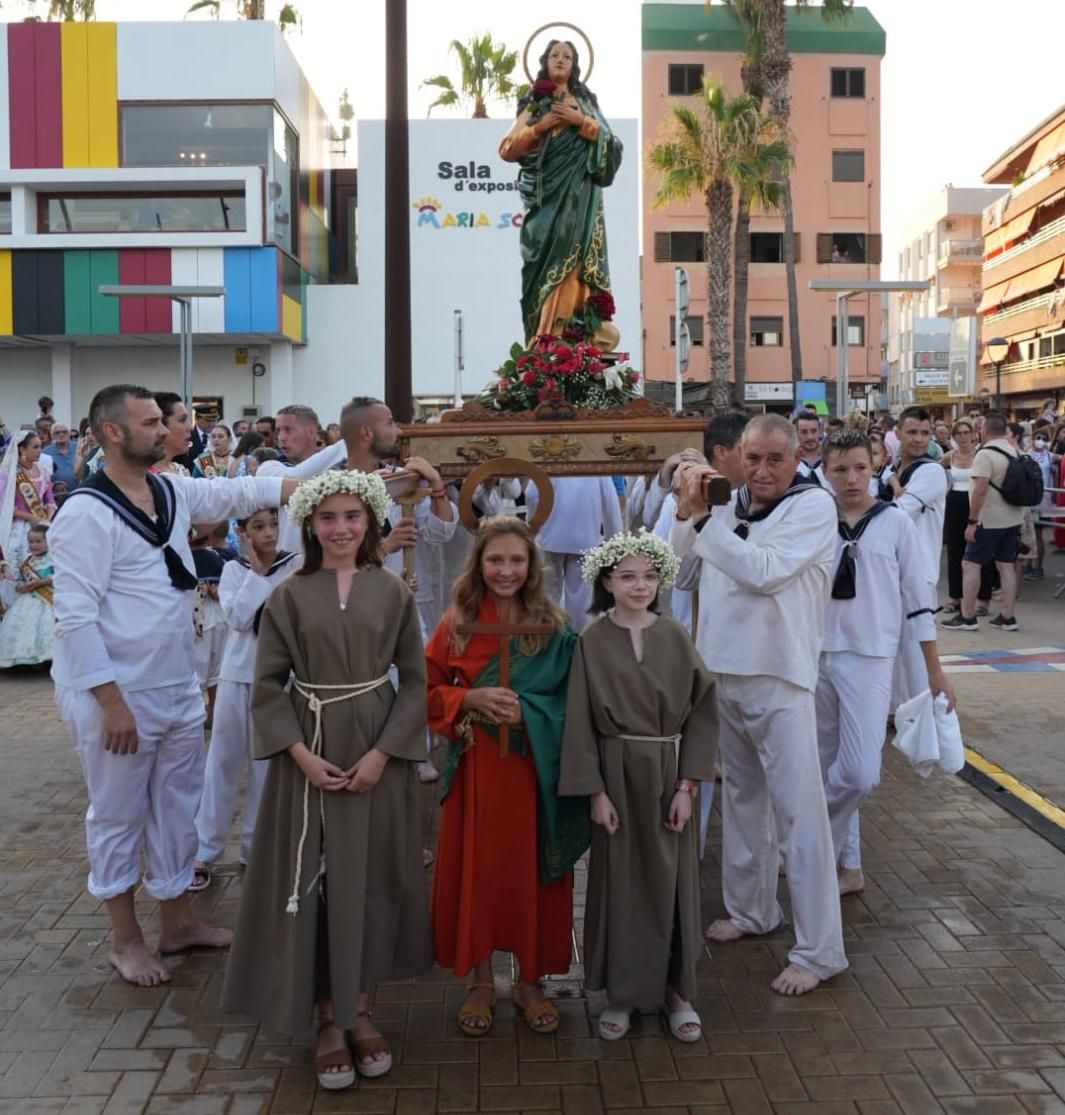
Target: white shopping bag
916, 735
951, 747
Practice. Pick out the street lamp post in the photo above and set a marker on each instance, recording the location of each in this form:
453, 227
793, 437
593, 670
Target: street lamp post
183, 296
997, 349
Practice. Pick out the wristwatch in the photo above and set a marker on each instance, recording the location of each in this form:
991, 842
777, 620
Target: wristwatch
974, 522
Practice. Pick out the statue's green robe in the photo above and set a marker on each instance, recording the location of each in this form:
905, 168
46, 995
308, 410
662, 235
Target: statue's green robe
563, 234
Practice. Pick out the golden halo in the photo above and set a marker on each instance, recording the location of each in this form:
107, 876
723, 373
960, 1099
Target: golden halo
573, 27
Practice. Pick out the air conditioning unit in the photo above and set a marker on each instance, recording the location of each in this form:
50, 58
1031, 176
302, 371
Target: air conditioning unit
250, 412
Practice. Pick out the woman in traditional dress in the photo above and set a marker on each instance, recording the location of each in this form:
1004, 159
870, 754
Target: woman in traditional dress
215, 462
641, 734
334, 897
507, 843
26, 633
567, 155
26, 498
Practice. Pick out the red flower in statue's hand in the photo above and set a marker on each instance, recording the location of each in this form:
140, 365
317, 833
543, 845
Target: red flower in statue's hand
544, 87
602, 301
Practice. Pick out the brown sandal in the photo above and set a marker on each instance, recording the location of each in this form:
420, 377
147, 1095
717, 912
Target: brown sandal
468, 1012
533, 1014
367, 1047
334, 1081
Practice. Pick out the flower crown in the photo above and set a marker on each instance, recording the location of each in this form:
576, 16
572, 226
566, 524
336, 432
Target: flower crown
368, 486
607, 554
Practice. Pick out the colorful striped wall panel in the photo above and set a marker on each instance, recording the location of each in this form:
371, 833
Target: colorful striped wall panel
57, 293
62, 94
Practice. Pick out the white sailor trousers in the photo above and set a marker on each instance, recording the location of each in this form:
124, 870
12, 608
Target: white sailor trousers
772, 783
567, 581
229, 754
142, 807
853, 696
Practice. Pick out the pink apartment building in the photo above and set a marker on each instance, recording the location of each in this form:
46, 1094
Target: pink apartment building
835, 123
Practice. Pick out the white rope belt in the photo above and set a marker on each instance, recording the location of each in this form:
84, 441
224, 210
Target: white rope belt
315, 704
673, 739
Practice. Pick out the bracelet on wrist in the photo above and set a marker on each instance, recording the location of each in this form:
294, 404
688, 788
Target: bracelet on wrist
685, 785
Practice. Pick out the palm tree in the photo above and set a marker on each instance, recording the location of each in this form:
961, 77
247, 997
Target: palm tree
288, 15
486, 69
768, 62
69, 11
728, 147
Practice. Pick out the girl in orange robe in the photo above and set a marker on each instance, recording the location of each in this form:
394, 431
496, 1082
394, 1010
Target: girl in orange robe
503, 877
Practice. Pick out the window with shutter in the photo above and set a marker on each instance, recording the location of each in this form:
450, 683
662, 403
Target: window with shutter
687, 247
848, 166
695, 329
876, 248
824, 247
767, 247
662, 247
767, 332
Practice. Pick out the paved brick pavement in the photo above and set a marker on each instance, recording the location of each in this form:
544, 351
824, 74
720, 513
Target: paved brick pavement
955, 1001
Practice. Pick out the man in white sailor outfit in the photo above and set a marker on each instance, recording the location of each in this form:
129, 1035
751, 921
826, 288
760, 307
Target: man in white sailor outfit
808, 427
586, 510
765, 574
879, 590
125, 680
924, 499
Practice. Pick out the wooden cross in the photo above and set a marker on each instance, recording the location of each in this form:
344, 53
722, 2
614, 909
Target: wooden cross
504, 629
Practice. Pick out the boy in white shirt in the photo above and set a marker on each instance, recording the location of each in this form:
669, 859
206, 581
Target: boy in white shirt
879, 588
242, 591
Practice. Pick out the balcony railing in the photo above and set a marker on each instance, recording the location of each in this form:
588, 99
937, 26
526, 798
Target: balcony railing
960, 251
1029, 304
1018, 366
1047, 232
947, 296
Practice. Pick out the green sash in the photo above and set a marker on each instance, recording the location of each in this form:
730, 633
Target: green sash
541, 681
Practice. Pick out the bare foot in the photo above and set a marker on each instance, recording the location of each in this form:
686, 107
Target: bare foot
851, 880
723, 931
366, 1031
136, 965
794, 980
195, 935
331, 1039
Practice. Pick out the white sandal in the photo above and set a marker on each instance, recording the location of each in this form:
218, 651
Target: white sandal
679, 1018
614, 1017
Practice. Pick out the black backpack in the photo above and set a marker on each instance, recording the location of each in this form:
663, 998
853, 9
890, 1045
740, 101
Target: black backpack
1022, 485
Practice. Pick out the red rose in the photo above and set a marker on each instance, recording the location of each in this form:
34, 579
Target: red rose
572, 335
544, 87
528, 378
602, 301
563, 352
595, 366
592, 352
551, 385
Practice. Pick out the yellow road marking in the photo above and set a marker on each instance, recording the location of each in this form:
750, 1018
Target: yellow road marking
1019, 789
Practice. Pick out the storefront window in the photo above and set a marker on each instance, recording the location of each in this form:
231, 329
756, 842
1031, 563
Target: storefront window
176, 212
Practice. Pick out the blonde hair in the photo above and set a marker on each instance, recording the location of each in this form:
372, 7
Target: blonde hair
470, 589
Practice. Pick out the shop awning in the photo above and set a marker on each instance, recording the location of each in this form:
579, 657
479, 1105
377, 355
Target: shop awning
1051, 145
1037, 279
1009, 233
993, 297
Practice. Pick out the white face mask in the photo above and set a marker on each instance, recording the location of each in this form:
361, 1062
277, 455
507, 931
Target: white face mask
1040, 443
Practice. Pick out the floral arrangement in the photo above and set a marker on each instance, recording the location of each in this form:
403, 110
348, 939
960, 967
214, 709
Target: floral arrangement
554, 368
587, 321
542, 96
369, 487
607, 554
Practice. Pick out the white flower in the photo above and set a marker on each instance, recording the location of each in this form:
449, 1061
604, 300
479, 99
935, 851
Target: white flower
368, 486
607, 555
613, 380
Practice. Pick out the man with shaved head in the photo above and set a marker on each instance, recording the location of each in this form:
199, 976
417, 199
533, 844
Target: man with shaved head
766, 568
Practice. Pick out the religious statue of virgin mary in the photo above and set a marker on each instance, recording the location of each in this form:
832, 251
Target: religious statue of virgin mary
567, 155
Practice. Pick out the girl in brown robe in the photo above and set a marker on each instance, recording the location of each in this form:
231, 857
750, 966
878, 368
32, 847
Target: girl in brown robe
641, 733
334, 899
